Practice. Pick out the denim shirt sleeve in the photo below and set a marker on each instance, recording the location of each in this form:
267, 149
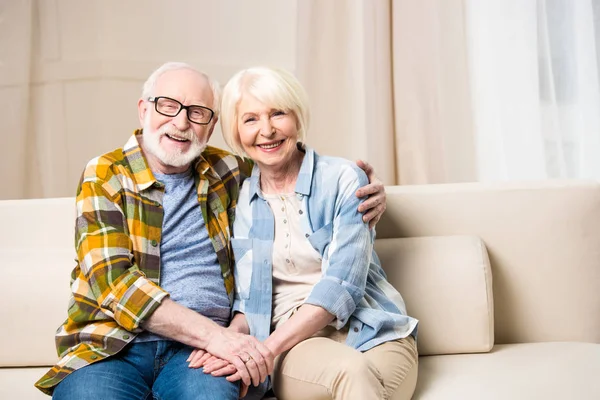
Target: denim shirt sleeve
348, 254
242, 252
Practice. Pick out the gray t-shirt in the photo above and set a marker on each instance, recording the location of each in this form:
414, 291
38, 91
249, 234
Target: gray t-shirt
190, 270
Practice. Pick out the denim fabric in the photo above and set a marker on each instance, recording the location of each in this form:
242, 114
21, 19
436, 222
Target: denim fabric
151, 370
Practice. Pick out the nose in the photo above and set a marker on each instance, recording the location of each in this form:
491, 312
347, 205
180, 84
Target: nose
181, 121
266, 129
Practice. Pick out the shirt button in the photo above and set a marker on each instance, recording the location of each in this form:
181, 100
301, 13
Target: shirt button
286, 235
307, 235
286, 246
154, 243
300, 212
355, 329
287, 260
265, 262
282, 208
285, 221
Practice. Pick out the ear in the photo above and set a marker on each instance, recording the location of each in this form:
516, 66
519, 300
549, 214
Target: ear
142, 110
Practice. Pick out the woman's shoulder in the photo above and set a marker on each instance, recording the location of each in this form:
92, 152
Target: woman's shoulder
341, 170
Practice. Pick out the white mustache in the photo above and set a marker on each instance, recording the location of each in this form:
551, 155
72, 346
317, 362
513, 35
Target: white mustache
171, 131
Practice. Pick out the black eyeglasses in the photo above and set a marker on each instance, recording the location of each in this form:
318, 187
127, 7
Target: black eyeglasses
171, 108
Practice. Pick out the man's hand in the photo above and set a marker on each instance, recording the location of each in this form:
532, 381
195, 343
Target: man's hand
252, 359
376, 203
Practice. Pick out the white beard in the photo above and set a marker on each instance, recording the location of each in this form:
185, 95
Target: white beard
174, 158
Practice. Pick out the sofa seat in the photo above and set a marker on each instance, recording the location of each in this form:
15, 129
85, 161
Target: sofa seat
552, 370
17, 383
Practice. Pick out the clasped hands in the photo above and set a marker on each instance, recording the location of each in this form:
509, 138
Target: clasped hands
235, 355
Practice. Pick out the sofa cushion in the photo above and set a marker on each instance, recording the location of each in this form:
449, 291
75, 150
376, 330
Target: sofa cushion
552, 370
17, 383
37, 253
446, 282
38, 293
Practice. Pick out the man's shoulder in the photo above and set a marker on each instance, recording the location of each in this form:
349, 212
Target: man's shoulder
223, 161
102, 168
214, 154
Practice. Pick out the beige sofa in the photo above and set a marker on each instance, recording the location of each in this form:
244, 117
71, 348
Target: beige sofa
505, 280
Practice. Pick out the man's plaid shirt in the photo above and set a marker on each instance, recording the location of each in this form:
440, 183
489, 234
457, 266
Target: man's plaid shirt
115, 284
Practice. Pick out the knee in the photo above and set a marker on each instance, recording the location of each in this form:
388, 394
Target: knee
356, 368
72, 387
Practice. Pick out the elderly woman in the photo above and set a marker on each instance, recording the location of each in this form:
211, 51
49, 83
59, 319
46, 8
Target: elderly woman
308, 282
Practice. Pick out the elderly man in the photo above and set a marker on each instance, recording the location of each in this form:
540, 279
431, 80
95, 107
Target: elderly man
153, 277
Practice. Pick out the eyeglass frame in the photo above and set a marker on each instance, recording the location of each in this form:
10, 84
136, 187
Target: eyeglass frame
155, 99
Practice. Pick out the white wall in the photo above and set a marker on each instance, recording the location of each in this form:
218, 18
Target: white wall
71, 73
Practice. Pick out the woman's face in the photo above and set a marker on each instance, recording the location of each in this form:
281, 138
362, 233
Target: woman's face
268, 135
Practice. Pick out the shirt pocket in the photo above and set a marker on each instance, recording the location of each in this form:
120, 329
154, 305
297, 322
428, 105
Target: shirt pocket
321, 238
242, 270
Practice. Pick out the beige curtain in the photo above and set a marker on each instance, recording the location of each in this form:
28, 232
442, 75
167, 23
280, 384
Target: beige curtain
432, 108
388, 83
344, 61
15, 72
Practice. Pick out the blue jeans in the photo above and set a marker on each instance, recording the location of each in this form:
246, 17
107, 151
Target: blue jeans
148, 370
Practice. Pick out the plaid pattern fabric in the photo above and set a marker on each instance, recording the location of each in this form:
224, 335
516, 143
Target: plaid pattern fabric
115, 284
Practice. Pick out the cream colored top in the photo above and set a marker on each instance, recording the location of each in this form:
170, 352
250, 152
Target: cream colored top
296, 264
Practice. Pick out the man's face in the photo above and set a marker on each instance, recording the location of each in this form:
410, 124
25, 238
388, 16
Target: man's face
171, 144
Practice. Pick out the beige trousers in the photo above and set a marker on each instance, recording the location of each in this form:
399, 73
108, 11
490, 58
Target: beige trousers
325, 368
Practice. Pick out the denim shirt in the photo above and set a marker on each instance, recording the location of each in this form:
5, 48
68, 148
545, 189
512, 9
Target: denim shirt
353, 286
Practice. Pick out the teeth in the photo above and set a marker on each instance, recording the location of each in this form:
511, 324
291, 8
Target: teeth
270, 146
177, 138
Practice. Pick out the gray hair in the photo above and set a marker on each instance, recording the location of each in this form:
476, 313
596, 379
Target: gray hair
150, 83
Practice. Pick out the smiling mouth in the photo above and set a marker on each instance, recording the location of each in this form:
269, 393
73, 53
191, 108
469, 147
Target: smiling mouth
271, 145
177, 139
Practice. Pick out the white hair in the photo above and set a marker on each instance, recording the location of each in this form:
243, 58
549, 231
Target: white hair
150, 84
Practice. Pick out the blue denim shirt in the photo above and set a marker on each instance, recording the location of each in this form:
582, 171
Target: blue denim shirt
353, 286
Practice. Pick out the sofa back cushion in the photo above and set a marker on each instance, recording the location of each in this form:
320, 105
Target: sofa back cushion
446, 283
543, 240
37, 256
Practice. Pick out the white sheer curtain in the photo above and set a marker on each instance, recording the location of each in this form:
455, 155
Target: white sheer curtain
534, 85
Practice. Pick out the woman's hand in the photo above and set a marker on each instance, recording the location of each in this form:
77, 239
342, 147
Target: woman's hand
373, 207
198, 358
216, 366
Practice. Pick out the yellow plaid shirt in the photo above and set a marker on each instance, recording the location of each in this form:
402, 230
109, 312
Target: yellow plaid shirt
115, 284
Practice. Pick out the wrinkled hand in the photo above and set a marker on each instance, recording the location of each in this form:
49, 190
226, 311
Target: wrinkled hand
241, 355
199, 358
376, 203
216, 367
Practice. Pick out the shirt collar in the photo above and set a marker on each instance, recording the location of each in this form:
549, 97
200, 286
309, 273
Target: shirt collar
132, 151
303, 182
